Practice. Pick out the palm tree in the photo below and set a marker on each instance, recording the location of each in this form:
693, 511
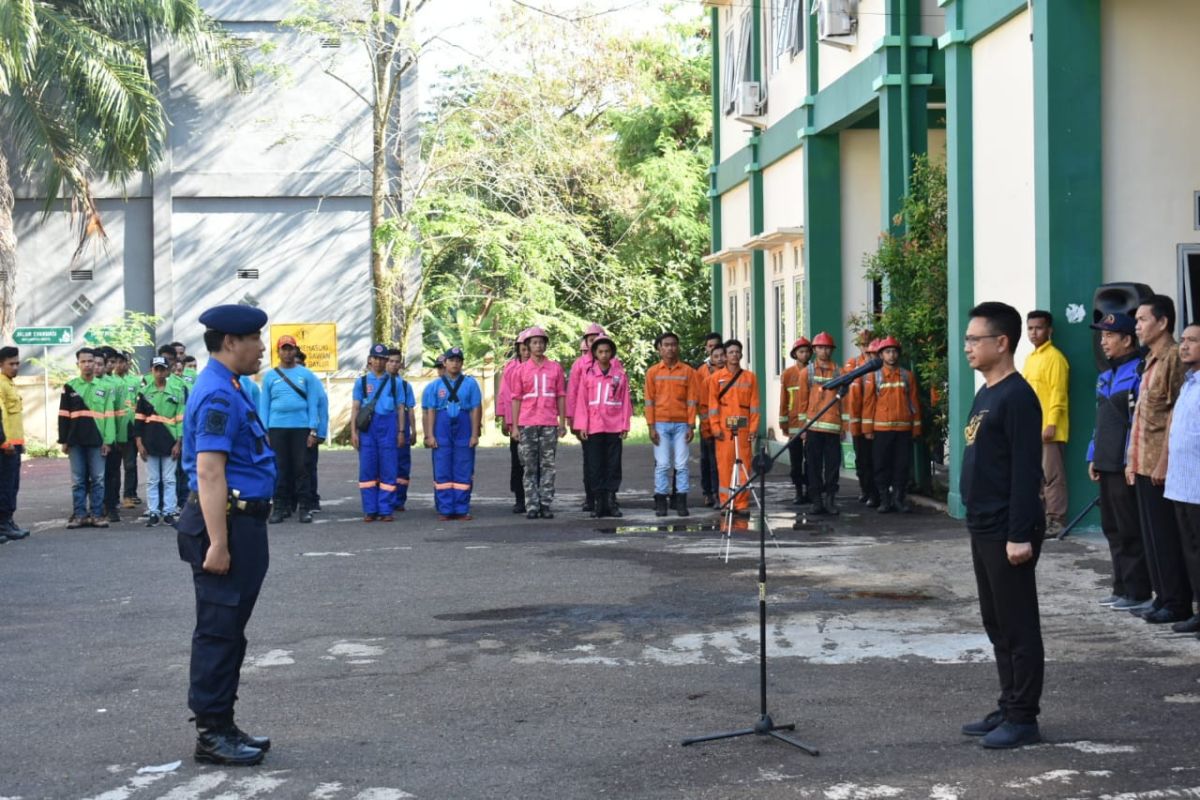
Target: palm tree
77, 100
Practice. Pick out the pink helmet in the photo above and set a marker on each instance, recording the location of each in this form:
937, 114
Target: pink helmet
534, 332
595, 328
522, 336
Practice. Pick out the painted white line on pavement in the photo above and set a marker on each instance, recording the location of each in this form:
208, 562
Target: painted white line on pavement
941, 791
196, 787
271, 658
1098, 747
1053, 776
252, 786
135, 783
852, 791
1185, 697
377, 793
1154, 794
356, 649
326, 791
330, 554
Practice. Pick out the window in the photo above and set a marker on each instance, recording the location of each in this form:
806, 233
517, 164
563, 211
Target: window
744, 69
785, 31
798, 301
728, 90
1189, 284
781, 331
733, 316
748, 332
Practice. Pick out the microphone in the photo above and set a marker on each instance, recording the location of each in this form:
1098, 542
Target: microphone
853, 375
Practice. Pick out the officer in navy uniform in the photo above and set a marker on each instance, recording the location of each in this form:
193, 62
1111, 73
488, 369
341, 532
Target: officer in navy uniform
223, 528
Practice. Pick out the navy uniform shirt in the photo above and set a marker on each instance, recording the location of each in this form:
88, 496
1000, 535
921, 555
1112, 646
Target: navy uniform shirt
220, 419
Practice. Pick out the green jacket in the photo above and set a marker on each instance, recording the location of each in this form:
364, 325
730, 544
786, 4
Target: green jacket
159, 418
86, 414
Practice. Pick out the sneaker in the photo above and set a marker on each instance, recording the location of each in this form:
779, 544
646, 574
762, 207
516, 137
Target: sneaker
99, 522
305, 515
1012, 734
114, 516
1053, 529
152, 520
985, 725
1138, 608
74, 522
1111, 600
128, 503
545, 513
169, 519
1189, 625
1129, 604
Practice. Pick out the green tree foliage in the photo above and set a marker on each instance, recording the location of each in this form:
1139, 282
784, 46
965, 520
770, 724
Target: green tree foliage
912, 268
569, 188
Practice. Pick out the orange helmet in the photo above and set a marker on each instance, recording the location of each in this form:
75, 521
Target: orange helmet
796, 345
823, 339
883, 344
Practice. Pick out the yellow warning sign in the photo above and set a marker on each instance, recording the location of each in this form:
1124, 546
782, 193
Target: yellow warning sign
318, 340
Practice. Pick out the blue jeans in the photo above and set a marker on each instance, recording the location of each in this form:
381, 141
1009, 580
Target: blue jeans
160, 485
671, 451
87, 481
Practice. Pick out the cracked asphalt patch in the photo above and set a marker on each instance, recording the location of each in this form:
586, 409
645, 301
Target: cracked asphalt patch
568, 658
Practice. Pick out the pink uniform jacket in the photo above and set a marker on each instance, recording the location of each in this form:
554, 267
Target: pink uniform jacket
538, 388
504, 395
575, 380
602, 404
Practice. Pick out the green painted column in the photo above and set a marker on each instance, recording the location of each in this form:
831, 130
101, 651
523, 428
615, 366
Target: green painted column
758, 260
716, 282
903, 99
1068, 206
961, 245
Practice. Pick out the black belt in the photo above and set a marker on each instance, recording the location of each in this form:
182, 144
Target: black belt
239, 506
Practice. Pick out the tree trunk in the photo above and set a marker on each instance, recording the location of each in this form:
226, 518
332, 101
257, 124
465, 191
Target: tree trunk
8, 251
384, 322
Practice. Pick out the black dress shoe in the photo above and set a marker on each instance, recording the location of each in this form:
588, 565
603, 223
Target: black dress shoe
306, 516
1009, 735
985, 725
225, 747
1163, 616
518, 508
13, 532
260, 742
1190, 625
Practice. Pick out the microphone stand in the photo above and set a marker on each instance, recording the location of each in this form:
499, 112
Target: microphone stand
763, 461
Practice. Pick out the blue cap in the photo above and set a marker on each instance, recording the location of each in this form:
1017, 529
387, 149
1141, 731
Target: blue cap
233, 319
453, 352
1117, 323
379, 351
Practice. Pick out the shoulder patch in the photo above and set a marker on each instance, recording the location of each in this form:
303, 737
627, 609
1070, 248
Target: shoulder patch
216, 398
215, 422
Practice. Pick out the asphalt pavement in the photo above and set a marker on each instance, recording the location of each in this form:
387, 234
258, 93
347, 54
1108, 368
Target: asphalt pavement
568, 658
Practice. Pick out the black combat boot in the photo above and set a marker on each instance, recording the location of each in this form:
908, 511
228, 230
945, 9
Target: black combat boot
818, 505
831, 503
259, 742
902, 504
614, 509
599, 505
218, 742
660, 505
589, 502
886, 506
798, 500
681, 504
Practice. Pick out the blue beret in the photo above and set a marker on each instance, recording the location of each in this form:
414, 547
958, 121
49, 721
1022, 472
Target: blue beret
379, 351
1117, 323
233, 319
453, 352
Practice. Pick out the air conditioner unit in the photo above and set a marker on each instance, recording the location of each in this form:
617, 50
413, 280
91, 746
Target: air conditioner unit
749, 106
837, 22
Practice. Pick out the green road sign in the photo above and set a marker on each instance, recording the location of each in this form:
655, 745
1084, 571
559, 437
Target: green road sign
44, 337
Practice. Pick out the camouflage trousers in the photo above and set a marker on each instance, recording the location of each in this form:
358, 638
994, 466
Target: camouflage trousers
538, 446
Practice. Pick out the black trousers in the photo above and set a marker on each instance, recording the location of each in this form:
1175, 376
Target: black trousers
181, 485
589, 488
1009, 606
114, 467
891, 455
798, 472
291, 476
1188, 516
312, 455
864, 466
823, 452
710, 478
516, 472
10, 481
602, 457
224, 604
1164, 550
131, 476
1119, 521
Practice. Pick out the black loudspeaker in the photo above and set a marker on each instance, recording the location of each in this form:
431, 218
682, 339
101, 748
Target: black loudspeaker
1115, 298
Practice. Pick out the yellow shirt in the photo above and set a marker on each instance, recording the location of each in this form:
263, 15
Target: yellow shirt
10, 406
1047, 372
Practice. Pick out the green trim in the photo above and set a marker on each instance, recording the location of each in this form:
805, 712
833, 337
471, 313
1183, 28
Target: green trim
758, 259
823, 233
732, 171
980, 17
716, 282
960, 265
1068, 192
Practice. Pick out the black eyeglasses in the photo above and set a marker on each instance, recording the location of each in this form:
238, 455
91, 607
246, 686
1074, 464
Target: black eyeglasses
971, 341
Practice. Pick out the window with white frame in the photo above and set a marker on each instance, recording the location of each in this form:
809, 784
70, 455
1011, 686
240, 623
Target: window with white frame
785, 32
733, 316
798, 304
781, 327
728, 89
745, 67
748, 331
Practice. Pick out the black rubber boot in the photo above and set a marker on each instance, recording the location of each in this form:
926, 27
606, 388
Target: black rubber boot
681, 504
614, 508
660, 505
218, 742
831, 503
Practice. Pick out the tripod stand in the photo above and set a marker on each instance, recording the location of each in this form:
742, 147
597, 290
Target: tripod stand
764, 725
738, 479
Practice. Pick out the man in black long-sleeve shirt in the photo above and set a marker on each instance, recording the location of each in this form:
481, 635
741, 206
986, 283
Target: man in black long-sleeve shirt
1001, 485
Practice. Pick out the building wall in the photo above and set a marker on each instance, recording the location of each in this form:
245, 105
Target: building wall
933, 18
1150, 63
837, 61
1003, 172
783, 193
734, 134
861, 199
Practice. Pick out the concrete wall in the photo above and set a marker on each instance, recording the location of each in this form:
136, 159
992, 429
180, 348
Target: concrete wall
277, 179
734, 134
872, 26
783, 193
861, 198
735, 216
1151, 161
1003, 174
